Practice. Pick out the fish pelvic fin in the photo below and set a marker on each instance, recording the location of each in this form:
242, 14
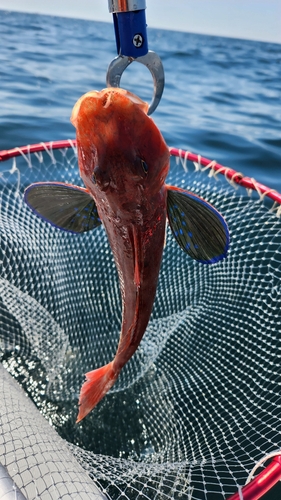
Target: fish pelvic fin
97, 384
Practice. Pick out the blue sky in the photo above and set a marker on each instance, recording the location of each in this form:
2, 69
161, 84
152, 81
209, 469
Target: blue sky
250, 19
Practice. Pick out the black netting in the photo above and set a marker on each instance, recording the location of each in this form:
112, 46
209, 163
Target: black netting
199, 403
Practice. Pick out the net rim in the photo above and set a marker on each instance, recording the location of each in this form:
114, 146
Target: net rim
262, 483
234, 177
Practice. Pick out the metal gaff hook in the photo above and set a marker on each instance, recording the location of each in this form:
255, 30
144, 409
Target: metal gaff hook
131, 42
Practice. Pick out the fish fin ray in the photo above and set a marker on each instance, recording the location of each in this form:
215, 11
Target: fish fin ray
65, 206
199, 229
97, 384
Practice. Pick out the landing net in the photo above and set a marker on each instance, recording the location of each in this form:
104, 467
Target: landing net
199, 404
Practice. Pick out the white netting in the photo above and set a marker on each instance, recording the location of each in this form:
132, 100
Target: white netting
199, 403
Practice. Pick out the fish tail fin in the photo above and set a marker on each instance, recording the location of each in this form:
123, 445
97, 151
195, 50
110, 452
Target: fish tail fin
97, 384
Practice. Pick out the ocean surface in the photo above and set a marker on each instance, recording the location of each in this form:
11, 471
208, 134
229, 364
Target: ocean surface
222, 96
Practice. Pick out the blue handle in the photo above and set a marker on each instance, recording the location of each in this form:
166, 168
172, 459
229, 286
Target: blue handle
130, 33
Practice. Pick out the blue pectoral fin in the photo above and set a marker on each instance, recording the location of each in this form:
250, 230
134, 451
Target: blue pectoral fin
198, 227
67, 207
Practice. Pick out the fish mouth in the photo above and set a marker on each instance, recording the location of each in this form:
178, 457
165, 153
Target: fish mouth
107, 96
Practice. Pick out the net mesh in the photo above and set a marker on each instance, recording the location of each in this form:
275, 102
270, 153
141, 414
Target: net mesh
199, 403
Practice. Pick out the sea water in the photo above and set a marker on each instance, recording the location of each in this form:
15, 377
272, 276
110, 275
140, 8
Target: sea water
222, 96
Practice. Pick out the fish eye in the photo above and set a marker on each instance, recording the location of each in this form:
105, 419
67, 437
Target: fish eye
144, 166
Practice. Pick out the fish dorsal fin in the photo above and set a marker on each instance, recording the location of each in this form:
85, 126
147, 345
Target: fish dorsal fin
67, 207
197, 226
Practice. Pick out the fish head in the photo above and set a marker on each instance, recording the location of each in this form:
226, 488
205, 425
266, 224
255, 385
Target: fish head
120, 149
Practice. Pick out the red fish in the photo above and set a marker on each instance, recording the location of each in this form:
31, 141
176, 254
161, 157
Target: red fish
124, 161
